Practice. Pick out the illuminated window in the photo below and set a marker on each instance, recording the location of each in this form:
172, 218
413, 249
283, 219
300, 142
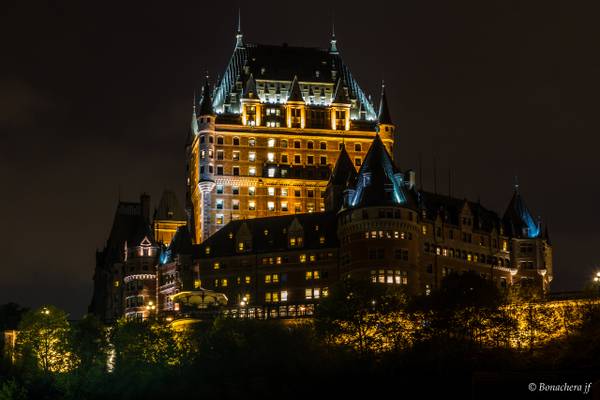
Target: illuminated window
235, 156
284, 206
240, 246
302, 258
116, 283
322, 239
251, 191
247, 280
216, 265
316, 293
308, 294
197, 283
284, 295
252, 171
271, 205
251, 205
308, 275
278, 260
252, 142
235, 204
424, 229
271, 191
224, 282
271, 142
271, 172
267, 278
275, 278
207, 250
284, 192
220, 219
504, 245
270, 157
312, 258
325, 292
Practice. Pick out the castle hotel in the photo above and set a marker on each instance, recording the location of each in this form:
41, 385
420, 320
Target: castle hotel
290, 187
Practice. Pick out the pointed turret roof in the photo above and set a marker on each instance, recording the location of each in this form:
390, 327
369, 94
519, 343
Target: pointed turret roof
206, 105
250, 89
295, 92
379, 181
343, 171
169, 208
333, 42
383, 116
341, 95
239, 38
518, 219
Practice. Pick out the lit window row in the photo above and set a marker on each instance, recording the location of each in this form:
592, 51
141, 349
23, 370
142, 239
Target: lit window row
275, 297
388, 235
466, 255
315, 293
397, 277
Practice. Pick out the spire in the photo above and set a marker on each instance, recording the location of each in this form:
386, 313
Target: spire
343, 171
518, 219
341, 95
194, 117
206, 106
379, 181
333, 42
238, 36
383, 116
250, 89
295, 92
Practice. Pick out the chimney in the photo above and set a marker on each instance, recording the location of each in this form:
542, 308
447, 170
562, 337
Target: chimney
145, 206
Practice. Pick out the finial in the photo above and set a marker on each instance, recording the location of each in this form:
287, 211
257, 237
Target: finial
239, 25
238, 36
333, 24
516, 183
194, 102
333, 42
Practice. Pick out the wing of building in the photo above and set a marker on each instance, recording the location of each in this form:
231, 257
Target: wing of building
291, 186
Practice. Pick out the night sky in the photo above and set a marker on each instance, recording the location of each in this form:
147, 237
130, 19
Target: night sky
97, 95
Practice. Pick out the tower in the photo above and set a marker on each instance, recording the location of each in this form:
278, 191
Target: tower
385, 126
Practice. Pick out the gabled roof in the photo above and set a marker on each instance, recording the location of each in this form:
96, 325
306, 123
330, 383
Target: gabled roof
344, 170
206, 104
295, 92
449, 210
315, 225
383, 117
518, 220
379, 181
340, 95
169, 208
250, 89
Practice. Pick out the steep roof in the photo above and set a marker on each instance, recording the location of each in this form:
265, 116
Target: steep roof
282, 63
344, 170
379, 181
518, 220
383, 116
169, 208
128, 226
250, 89
341, 95
181, 242
314, 225
206, 104
295, 92
449, 209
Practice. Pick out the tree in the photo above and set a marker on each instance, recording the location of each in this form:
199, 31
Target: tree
43, 341
361, 314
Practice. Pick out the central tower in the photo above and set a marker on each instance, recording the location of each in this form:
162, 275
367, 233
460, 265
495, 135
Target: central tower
264, 139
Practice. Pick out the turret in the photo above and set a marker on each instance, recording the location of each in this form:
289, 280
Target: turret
385, 126
342, 175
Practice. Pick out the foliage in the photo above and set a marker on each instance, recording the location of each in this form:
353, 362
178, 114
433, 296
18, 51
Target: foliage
11, 390
43, 341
